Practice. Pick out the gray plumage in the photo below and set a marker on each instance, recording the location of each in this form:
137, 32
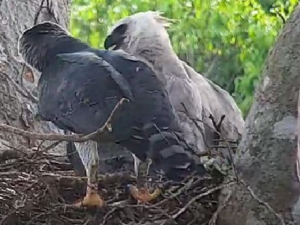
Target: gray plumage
144, 35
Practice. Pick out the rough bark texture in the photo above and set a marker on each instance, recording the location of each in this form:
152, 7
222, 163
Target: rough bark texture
17, 82
298, 146
268, 151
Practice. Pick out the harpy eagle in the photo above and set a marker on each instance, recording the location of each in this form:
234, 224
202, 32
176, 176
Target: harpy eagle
193, 96
78, 89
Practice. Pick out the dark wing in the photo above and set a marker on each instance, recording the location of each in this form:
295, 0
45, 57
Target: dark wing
81, 57
78, 91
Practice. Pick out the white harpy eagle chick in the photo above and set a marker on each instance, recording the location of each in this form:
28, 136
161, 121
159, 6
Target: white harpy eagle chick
193, 96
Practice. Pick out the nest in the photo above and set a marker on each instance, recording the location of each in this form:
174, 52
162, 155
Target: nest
38, 188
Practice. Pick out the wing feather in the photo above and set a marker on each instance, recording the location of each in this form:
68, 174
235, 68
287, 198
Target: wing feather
78, 93
81, 57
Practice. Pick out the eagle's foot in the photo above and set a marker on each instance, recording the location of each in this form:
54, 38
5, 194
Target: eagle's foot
92, 199
143, 195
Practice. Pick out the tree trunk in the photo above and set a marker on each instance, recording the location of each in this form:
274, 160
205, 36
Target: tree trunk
18, 94
18, 82
267, 163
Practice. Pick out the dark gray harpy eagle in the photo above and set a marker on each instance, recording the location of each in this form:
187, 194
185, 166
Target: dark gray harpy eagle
78, 89
194, 97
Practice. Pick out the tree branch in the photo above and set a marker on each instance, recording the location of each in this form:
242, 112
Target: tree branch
102, 134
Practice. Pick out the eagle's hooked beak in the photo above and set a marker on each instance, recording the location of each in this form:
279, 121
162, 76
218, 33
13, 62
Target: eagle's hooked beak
116, 38
113, 42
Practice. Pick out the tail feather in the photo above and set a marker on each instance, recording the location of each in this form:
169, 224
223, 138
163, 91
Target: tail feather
171, 154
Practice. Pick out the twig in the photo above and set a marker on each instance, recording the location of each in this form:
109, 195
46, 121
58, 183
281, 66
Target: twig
18, 149
182, 210
37, 150
48, 212
49, 11
51, 146
216, 125
108, 214
209, 151
176, 194
220, 208
46, 149
194, 120
6, 217
13, 173
108, 178
99, 135
230, 153
262, 202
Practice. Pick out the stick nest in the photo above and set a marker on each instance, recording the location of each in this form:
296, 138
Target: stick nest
38, 188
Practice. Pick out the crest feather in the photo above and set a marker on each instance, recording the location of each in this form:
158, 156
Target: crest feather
158, 16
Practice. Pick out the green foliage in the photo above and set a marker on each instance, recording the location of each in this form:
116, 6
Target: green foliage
226, 40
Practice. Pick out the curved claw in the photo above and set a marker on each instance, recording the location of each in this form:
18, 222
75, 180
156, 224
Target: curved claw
92, 199
143, 195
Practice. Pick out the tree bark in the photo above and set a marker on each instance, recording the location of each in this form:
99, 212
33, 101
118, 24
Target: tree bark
18, 94
18, 82
267, 162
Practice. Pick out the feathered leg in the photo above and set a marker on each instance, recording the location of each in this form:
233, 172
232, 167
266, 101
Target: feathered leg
89, 155
141, 192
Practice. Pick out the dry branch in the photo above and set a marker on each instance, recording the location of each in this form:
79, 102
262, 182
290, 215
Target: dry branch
102, 134
196, 198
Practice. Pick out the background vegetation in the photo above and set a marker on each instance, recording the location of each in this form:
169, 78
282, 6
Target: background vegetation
225, 40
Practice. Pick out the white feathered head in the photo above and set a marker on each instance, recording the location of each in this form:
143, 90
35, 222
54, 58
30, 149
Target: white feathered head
140, 29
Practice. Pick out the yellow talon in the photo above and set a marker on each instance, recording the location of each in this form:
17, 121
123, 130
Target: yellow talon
143, 195
92, 199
